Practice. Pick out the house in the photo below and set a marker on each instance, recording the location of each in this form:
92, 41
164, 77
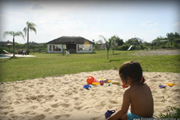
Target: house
72, 44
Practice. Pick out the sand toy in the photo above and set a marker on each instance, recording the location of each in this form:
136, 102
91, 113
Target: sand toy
90, 79
105, 80
171, 84
95, 83
101, 82
108, 113
162, 86
124, 86
115, 83
87, 86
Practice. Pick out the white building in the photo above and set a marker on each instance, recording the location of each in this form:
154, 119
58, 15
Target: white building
72, 44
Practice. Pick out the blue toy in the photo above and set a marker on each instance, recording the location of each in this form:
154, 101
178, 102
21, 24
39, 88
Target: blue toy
87, 87
162, 86
109, 113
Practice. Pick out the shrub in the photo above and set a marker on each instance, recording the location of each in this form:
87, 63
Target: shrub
125, 47
4, 48
173, 112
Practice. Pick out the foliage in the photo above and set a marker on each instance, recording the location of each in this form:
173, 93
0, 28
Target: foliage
173, 112
172, 40
4, 48
115, 41
108, 45
29, 26
14, 34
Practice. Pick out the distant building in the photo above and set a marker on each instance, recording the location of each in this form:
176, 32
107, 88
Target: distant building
72, 44
5, 43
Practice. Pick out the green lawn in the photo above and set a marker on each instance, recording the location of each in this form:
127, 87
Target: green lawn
45, 64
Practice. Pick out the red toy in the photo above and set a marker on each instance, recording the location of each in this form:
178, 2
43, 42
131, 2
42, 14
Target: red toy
90, 79
124, 86
101, 82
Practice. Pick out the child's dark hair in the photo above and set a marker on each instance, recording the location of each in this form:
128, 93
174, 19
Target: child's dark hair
132, 70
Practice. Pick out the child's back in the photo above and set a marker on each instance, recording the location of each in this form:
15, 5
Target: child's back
138, 96
141, 100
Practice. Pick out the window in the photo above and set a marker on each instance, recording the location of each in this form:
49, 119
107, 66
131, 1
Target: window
55, 47
84, 47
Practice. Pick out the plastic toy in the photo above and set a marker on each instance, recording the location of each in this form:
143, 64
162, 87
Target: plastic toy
124, 86
171, 84
95, 83
115, 83
162, 86
87, 87
101, 82
90, 79
108, 113
105, 80
108, 81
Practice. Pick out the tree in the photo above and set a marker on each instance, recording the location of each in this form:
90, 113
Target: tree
170, 36
14, 34
30, 26
176, 34
114, 42
108, 45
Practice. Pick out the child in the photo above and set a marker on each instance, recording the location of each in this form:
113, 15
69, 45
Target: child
138, 96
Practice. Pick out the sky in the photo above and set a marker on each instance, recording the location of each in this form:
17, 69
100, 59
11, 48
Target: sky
145, 19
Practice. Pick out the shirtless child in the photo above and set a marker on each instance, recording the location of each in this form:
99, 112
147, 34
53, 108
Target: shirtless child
138, 96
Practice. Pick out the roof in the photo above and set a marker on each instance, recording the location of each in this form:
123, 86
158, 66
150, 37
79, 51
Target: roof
5, 43
69, 40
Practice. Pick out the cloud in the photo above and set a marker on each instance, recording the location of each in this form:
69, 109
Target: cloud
149, 23
37, 7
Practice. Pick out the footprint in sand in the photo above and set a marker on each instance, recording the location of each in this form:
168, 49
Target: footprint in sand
159, 104
59, 116
156, 76
176, 89
39, 117
177, 98
55, 105
96, 118
47, 110
33, 107
109, 92
65, 105
78, 107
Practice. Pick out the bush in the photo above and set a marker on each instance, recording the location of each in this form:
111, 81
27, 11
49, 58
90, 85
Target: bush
5, 48
125, 47
173, 112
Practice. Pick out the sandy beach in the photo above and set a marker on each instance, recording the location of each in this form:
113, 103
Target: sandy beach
64, 98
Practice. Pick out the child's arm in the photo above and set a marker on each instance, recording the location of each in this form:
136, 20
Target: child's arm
125, 106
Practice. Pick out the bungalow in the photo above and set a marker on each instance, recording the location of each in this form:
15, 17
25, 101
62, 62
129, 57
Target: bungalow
72, 44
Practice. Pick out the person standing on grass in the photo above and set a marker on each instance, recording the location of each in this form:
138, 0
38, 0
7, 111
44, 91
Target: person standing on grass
138, 96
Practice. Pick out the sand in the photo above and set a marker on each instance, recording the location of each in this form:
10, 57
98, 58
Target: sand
64, 98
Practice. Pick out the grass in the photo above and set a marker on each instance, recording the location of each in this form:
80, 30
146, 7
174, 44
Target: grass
44, 64
173, 112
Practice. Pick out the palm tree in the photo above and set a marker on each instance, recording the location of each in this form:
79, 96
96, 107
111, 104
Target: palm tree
14, 34
30, 26
108, 45
114, 42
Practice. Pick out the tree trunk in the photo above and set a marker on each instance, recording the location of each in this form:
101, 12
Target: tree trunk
107, 54
13, 47
28, 39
